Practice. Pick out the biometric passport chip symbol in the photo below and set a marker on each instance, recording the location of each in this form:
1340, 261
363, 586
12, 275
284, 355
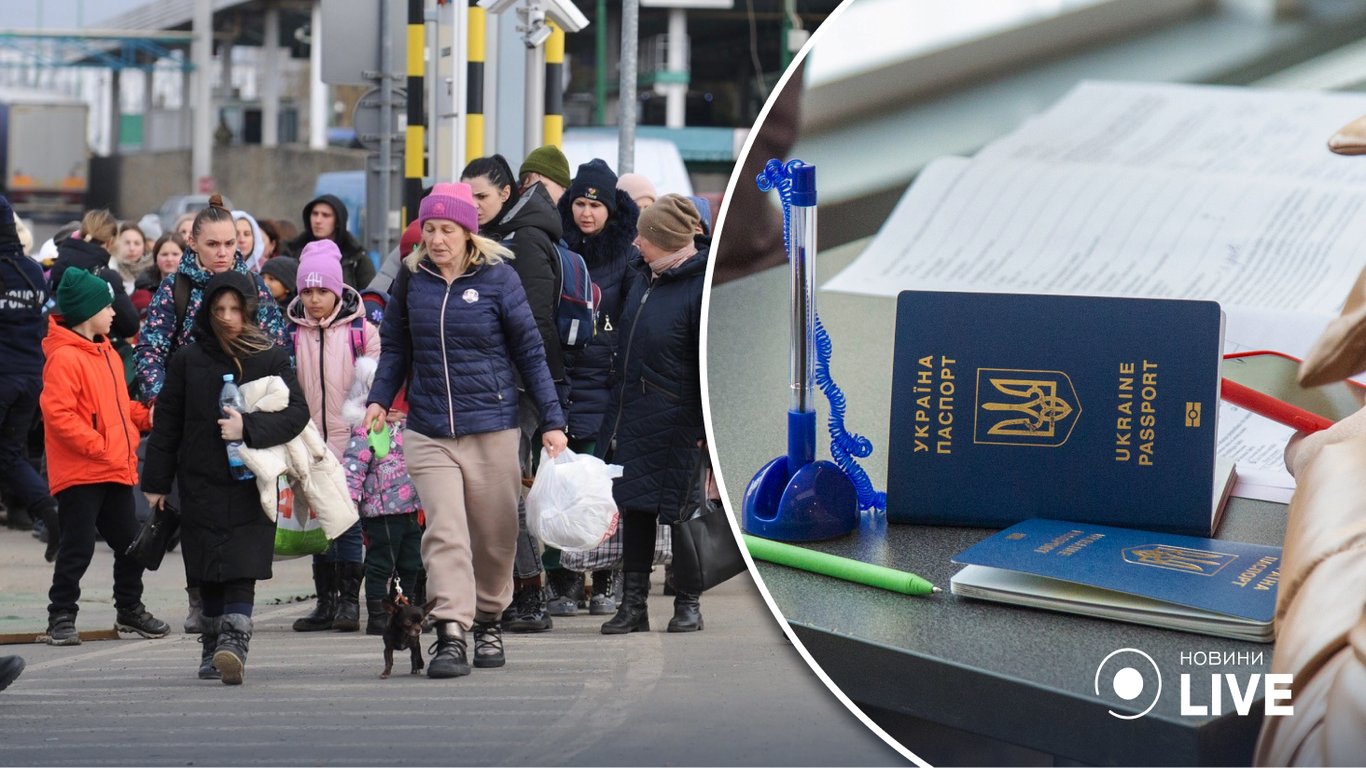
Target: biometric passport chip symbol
1024, 407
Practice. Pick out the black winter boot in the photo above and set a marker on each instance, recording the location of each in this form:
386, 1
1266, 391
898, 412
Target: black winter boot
61, 629
377, 619
234, 637
564, 589
194, 614
209, 639
349, 578
488, 643
687, 613
527, 612
325, 581
602, 603
137, 619
633, 615
448, 652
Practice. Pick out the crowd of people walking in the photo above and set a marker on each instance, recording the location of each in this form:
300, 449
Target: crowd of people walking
436, 378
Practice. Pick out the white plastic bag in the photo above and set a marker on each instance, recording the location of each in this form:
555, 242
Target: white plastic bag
570, 505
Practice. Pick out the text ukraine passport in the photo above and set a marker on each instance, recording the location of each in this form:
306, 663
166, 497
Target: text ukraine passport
1007, 407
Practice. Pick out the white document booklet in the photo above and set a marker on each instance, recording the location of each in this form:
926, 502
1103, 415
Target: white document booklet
1151, 190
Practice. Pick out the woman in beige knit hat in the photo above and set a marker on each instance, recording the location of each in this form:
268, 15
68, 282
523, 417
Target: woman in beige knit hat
656, 432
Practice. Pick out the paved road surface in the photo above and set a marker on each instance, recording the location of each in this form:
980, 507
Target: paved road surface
734, 694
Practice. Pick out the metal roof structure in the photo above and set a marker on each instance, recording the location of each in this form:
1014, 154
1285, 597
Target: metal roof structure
153, 35
239, 21
115, 49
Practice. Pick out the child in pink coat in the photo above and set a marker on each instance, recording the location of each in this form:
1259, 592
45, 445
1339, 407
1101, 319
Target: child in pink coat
329, 332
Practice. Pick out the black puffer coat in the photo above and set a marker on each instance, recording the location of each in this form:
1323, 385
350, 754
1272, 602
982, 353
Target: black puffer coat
94, 259
655, 429
589, 368
530, 228
225, 534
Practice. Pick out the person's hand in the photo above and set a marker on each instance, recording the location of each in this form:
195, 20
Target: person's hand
375, 414
151, 413
1303, 447
231, 425
155, 500
554, 441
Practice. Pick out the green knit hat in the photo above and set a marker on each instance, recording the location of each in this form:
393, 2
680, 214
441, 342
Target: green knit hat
81, 295
548, 161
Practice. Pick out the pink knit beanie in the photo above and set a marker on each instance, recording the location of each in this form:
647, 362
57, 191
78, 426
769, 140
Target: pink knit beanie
320, 267
450, 201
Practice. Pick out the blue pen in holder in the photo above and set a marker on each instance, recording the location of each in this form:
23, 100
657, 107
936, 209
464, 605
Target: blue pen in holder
795, 497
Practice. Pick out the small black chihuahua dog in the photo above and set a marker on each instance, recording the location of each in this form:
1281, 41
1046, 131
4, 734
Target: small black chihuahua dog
404, 630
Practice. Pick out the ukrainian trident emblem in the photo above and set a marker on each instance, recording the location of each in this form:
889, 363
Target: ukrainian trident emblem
1198, 561
1019, 407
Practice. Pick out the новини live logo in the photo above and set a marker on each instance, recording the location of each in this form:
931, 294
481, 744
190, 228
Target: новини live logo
1134, 676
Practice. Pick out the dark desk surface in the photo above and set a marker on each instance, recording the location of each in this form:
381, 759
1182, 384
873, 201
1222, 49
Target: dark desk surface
1015, 674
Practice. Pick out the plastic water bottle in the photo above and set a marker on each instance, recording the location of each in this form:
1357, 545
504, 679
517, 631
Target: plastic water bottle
231, 397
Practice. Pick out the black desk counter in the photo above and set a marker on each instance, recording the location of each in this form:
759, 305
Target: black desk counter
1013, 674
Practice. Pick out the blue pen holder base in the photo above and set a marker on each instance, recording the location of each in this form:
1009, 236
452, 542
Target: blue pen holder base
816, 502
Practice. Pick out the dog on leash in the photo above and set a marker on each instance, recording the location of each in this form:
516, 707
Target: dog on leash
404, 629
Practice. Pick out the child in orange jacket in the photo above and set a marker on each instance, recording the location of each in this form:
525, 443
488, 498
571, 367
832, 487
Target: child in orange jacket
91, 432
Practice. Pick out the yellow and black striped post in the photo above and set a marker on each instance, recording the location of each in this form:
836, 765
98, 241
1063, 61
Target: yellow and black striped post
552, 125
415, 139
477, 29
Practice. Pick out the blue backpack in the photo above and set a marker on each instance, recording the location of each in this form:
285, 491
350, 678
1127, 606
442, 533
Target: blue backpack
576, 310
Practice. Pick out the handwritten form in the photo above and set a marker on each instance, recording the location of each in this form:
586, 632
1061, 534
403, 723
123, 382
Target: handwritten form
1163, 191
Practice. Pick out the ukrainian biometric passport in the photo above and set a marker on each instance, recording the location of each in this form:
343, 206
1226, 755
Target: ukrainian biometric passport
1007, 407
1221, 578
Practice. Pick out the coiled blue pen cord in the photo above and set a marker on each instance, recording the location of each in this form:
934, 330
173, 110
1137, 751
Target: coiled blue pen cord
845, 447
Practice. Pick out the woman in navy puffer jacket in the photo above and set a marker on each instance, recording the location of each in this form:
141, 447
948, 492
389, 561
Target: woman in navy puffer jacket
457, 325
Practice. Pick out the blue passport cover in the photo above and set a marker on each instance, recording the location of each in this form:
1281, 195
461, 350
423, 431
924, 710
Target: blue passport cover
1007, 407
1224, 577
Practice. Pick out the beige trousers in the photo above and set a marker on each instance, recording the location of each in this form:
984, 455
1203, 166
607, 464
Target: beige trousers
469, 488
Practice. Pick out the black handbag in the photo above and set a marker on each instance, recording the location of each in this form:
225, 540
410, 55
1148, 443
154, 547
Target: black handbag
152, 541
704, 547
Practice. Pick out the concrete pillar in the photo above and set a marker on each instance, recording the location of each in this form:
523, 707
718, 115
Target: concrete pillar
187, 123
533, 108
115, 109
148, 106
201, 140
270, 76
443, 163
225, 70
318, 106
676, 94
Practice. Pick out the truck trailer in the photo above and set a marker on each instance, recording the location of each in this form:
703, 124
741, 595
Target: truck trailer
44, 155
